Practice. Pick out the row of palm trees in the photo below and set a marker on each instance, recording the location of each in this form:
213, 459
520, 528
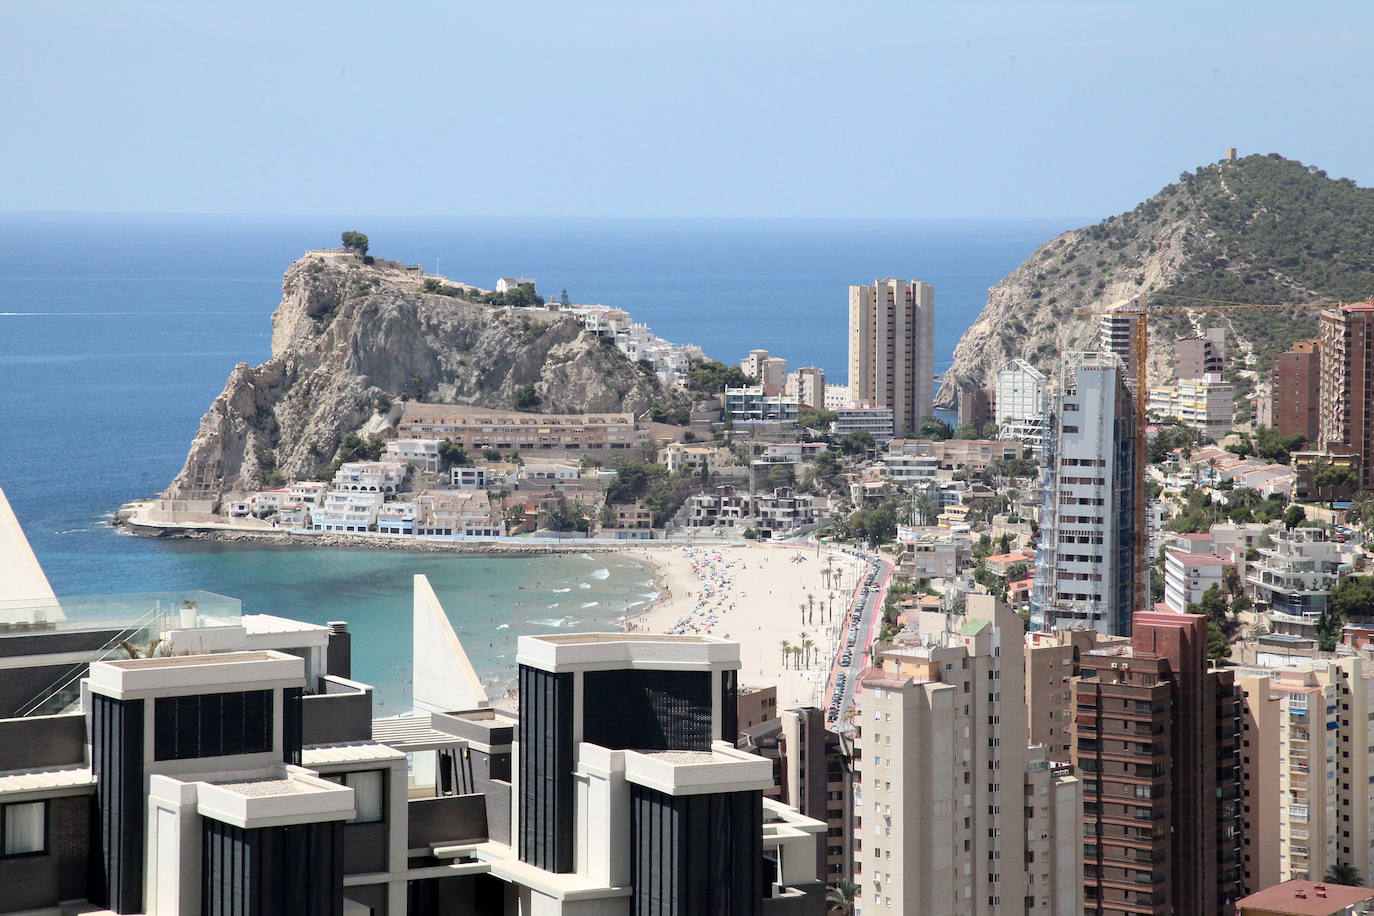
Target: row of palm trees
800, 653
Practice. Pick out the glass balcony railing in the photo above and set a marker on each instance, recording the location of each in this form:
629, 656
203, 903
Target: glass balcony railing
162, 610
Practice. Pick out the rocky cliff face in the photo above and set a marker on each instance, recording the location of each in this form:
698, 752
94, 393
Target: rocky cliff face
1262, 230
348, 335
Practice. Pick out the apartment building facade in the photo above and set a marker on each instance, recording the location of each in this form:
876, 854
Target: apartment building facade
1198, 357
1296, 390
1347, 385
811, 387
1187, 576
1206, 403
1020, 393
1156, 739
1085, 572
956, 814
1308, 761
812, 772
892, 349
1052, 662
477, 428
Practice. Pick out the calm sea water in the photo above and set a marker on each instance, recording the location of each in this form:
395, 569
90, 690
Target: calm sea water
116, 333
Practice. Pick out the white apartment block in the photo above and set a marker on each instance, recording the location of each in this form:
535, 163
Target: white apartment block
397, 518
876, 421
347, 510
469, 478
837, 396
1187, 576
1020, 393
370, 476
311, 492
423, 453
958, 815
911, 470
750, 404
549, 472
1085, 573
1295, 576
892, 348
1206, 404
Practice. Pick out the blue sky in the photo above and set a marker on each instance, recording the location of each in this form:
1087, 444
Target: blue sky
710, 109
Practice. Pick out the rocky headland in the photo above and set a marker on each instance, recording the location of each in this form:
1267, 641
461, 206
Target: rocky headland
350, 339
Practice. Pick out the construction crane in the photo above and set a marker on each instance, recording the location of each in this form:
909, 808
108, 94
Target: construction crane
1137, 311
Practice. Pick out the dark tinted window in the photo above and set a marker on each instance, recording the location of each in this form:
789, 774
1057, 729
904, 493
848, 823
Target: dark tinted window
213, 725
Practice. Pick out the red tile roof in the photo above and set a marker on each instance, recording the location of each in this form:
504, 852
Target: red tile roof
1304, 898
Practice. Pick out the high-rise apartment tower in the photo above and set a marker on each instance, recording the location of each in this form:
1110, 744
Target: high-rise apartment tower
1297, 390
1085, 571
958, 815
892, 349
1347, 383
1157, 745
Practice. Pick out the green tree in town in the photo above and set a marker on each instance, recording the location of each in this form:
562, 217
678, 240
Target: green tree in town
1217, 646
1294, 516
934, 428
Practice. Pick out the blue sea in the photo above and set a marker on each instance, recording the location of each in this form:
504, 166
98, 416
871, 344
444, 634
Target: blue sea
116, 333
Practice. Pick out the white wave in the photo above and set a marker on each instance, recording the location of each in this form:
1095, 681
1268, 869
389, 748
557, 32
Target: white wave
560, 591
553, 622
504, 626
590, 604
584, 585
603, 574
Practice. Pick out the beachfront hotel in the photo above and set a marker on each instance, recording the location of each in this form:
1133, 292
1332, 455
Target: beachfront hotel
892, 349
510, 430
237, 769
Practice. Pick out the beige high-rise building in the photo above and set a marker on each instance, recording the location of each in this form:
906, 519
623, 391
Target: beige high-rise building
892, 349
1051, 665
811, 386
1307, 766
955, 814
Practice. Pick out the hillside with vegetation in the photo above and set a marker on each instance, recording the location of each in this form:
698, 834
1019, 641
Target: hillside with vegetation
1261, 229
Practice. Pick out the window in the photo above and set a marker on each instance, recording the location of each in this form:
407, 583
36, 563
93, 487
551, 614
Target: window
212, 725
25, 828
369, 794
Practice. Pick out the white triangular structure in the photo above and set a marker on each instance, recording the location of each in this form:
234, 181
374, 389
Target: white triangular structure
444, 679
25, 594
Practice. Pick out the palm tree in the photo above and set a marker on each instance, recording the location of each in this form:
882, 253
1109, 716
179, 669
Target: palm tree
841, 897
802, 606
148, 651
830, 608
810, 607
796, 655
926, 508
807, 643
786, 651
1344, 873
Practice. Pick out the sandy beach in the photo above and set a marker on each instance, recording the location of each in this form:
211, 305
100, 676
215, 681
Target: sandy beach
757, 595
